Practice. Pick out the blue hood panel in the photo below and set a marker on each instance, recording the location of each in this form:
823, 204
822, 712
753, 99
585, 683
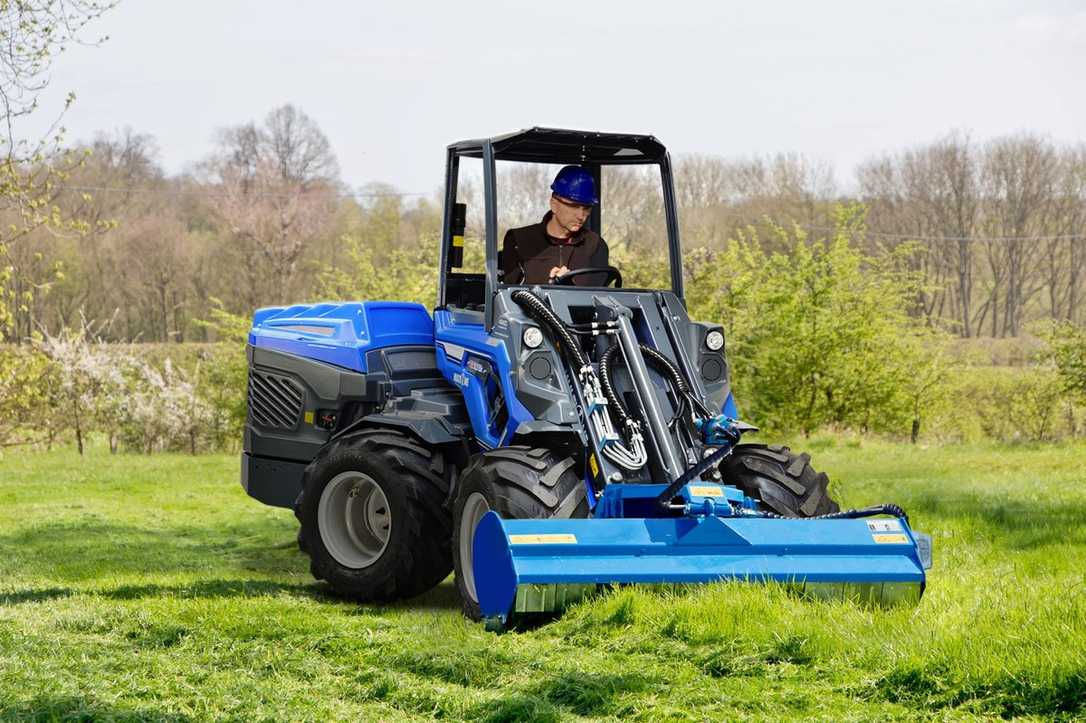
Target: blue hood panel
341, 333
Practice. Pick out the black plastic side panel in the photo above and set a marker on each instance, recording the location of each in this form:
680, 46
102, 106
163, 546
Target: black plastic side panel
274, 482
323, 386
401, 388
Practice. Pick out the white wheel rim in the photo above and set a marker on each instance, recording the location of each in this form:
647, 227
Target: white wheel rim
474, 508
354, 520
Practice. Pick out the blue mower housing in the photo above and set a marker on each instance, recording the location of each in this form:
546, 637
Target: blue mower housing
539, 566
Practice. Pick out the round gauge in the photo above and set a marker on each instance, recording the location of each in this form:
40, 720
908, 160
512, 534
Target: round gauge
714, 340
533, 337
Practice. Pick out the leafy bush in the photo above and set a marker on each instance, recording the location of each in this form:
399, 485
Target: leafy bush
222, 372
818, 334
26, 377
1067, 350
1009, 404
403, 274
162, 410
73, 382
90, 385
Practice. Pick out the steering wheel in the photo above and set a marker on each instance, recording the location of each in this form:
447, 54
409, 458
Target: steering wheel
613, 274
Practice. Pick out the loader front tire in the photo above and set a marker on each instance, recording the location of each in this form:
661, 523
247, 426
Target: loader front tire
518, 483
373, 516
782, 480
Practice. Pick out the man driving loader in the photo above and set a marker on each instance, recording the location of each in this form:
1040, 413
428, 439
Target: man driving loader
559, 244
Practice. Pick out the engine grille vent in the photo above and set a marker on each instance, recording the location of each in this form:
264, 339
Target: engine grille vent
274, 401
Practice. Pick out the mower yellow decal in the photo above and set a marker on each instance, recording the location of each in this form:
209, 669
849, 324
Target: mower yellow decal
555, 539
593, 465
705, 491
309, 417
458, 241
891, 539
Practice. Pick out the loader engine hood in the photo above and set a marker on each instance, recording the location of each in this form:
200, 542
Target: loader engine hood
341, 333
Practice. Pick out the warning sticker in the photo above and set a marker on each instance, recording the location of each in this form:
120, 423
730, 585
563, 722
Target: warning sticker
593, 465
883, 526
706, 491
556, 539
898, 539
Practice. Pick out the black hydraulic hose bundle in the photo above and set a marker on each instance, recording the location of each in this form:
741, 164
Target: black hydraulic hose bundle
608, 387
568, 346
687, 395
632, 455
539, 311
662, 364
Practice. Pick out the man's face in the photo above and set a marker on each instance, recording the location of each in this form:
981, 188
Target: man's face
570, 215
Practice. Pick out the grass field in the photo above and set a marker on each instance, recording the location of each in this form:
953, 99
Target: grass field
151, 587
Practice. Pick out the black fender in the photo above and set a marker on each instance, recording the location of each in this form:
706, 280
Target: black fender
429, 427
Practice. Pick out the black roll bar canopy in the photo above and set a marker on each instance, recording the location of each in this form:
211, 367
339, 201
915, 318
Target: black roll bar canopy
590, 149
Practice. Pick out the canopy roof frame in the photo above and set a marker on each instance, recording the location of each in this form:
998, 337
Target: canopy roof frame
591, 149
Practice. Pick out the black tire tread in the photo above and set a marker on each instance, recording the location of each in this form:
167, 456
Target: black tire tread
521, 484
424, 559
781, 479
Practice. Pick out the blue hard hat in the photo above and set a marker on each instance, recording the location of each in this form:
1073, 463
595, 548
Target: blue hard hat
576, 184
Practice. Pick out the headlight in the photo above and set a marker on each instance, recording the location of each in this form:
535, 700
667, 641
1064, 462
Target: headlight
533, 337
714, 340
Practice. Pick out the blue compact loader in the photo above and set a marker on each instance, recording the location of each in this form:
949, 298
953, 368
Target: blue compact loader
540, 440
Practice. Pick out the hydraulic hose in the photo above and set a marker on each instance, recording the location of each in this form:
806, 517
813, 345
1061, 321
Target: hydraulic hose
886, 509
542, 313
665, 497
668, 367
608, 387
632, 455
665, 365
662, 364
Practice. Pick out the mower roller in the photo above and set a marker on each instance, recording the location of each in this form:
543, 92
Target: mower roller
541, 440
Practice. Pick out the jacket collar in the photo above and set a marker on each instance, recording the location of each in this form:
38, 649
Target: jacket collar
574, 240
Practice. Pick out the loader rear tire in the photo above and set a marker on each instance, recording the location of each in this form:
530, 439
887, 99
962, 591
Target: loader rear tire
373, 516
782, 480
518, 483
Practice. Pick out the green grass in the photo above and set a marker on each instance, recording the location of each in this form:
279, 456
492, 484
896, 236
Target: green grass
151, 587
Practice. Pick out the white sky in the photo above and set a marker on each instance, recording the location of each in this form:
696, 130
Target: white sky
392, 83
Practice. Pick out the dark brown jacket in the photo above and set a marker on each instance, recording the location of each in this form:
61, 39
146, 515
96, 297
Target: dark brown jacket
529, 254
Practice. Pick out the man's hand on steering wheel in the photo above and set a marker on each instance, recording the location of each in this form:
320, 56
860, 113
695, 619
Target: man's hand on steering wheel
613, 274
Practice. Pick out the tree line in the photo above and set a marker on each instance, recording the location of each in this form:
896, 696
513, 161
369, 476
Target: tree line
818, 337
996, 231
830, 321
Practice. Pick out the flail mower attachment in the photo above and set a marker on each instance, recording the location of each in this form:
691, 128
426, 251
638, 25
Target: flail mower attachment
703, 533
539, 566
